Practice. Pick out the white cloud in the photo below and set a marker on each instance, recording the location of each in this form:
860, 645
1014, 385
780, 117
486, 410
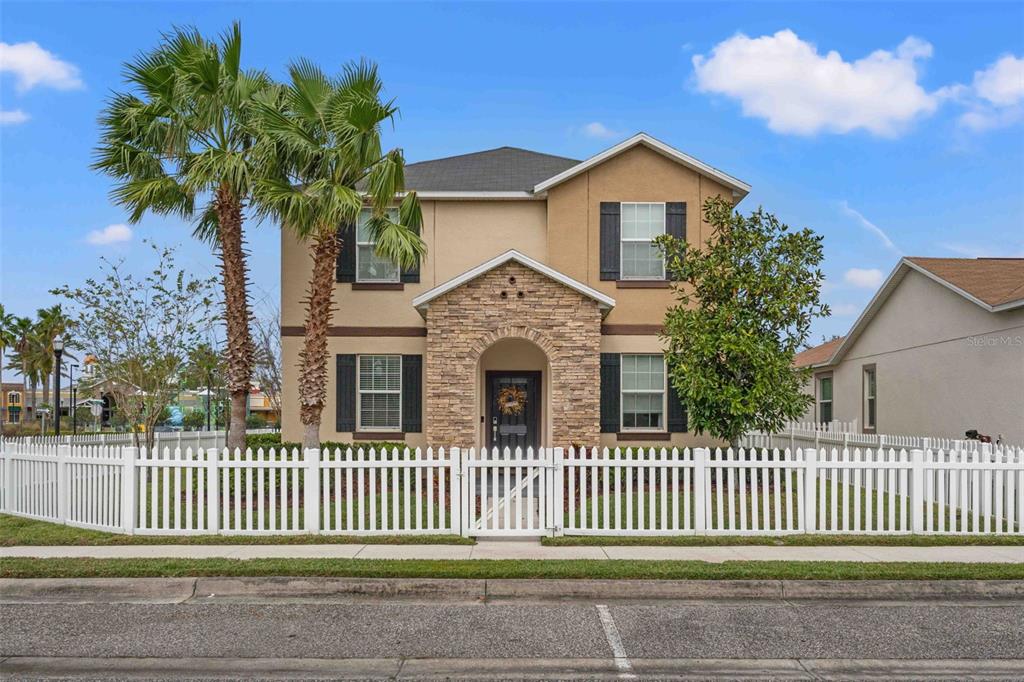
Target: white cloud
599, 130
845, 309
995, 99
13, 117
870, 227
32, 66
863, 278
1002, 83
111, 234
784, 80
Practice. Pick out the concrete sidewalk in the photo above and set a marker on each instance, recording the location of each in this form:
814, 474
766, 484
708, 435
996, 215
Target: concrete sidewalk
529, 550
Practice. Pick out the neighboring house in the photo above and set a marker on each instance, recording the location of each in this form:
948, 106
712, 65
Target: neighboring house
939, 350
533, 319
12, 402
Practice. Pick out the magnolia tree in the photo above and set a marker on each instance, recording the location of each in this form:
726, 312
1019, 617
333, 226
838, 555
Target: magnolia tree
141, 330
745, 303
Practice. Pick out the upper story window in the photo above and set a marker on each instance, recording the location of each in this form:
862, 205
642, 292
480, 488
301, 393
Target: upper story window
380, 393
870, 394
14, 398
369, 266
825, 399
641, 224
643, 392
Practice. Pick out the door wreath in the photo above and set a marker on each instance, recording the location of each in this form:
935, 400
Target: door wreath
511, 400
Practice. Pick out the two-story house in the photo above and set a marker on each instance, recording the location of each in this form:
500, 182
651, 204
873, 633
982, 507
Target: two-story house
534, 318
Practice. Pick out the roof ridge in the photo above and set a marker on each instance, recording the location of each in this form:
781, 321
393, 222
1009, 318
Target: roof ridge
493, 149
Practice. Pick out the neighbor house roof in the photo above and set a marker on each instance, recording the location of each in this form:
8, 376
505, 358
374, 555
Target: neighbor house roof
605, 302
994, 284
514, 173
818, 355
505, 169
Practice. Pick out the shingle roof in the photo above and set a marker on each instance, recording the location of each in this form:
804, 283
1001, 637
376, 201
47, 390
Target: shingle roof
995, 281
506, 169
818, 354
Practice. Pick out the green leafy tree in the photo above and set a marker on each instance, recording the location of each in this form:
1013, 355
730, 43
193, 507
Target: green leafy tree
183, 144
8, 336
141, 332
745, 304
329, 163
194, 420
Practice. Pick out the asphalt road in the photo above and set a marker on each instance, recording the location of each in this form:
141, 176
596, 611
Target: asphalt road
387, 639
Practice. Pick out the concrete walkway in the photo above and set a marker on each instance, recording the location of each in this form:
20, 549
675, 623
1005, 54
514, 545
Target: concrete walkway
527, 550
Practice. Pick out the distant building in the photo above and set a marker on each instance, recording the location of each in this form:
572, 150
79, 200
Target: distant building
938, 350
12, 402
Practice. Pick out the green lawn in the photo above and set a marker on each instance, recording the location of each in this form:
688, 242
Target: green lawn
783, 540
580, 569
15, 530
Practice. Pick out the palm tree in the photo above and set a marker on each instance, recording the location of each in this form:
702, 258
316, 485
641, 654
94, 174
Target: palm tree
7, 337
51, 322
22, 331
187, 137
329, 163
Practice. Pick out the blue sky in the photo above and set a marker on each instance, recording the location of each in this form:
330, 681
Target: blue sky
889, 128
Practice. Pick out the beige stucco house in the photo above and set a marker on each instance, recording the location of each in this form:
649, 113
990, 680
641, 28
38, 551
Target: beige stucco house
534, 317
938, 350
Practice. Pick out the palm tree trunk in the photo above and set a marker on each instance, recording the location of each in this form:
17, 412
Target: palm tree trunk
240, 349
313, 358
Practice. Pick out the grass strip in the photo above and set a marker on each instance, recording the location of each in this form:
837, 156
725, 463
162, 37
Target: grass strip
784, 540
15, 530
497, 569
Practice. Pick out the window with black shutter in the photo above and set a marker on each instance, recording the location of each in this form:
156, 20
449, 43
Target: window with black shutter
610, 382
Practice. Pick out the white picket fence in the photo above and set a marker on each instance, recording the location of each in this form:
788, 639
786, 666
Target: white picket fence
167, 439
549, 491
811, 435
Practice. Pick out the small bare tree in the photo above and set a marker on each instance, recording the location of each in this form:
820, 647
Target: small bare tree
267, 367
141, 332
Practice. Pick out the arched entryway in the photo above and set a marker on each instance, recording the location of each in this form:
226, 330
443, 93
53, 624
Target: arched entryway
513, 394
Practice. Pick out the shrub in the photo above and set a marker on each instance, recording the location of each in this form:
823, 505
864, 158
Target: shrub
194, 420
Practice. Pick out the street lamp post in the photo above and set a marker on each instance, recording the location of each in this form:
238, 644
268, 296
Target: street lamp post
58, 350
74, 398
209, 380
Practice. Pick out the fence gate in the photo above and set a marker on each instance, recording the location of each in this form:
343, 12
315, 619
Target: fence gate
509, 493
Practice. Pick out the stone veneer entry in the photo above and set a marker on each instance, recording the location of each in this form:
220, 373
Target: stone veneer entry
464, 322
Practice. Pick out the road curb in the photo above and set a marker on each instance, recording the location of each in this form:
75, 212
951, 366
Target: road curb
176, 590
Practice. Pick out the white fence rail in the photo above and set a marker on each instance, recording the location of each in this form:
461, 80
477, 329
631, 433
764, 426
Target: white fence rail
549, 491
168, 439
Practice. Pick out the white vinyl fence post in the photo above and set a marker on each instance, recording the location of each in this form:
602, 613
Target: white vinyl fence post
311, 490
455, 490
63, 491
8, 481
213, 491
557, 517
792, 437
129, 490
700, 490
917, 491
810, 490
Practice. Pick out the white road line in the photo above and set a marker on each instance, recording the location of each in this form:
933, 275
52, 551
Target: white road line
611, 633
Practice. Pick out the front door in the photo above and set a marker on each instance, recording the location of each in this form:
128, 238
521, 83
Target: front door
513, 409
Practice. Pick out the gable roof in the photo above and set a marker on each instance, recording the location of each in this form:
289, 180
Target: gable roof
606, 303
817, 355
739, 188
995, 284
505, 169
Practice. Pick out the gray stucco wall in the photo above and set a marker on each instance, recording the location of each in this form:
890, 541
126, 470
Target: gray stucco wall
943, 365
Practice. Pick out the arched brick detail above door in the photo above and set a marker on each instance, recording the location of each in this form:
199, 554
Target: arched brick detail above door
512, 301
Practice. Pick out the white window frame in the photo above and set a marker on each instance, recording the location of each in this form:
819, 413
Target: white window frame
360, 392
14, 399
873, 371
398, 270
831, 401
636, 240
664, 397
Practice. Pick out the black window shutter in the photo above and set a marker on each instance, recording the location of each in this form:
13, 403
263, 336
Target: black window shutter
610, 229
412, 393
610, 363
676, 412
346, 271
345, 393
675, 223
